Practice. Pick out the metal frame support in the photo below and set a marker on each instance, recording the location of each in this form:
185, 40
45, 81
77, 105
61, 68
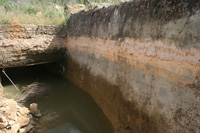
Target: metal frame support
3, 70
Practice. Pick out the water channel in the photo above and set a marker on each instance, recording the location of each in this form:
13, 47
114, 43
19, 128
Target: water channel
65, 108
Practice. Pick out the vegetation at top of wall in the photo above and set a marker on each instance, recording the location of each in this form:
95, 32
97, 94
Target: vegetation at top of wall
47, 12
32, 11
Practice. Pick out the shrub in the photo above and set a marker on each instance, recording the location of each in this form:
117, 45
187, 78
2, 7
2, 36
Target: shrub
8, 5
31, 10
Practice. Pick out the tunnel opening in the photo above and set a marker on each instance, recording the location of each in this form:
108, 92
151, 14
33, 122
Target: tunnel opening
64, 107
26, 72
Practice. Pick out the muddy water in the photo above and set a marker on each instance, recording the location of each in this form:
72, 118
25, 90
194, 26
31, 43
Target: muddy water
65, 108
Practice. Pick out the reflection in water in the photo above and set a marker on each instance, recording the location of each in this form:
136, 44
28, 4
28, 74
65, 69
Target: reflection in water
66, 109
66, 128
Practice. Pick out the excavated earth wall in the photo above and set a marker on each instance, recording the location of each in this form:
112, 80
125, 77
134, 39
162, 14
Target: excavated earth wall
140, 61
24, 45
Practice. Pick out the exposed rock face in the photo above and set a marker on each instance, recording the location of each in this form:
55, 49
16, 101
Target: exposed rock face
23, 45
34, 110
14, 118
140, 61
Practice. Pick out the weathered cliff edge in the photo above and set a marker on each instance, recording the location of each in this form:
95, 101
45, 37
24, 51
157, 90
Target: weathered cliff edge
23, 45
140, 61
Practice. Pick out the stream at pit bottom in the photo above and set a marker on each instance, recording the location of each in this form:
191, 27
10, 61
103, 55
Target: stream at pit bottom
66, 108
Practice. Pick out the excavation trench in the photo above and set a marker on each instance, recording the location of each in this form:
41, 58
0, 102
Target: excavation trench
139, 61
64, 107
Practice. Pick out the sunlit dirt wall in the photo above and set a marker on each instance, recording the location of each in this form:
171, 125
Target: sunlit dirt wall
24, 45
140, 61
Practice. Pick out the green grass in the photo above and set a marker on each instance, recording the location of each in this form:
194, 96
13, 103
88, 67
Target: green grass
47, 12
